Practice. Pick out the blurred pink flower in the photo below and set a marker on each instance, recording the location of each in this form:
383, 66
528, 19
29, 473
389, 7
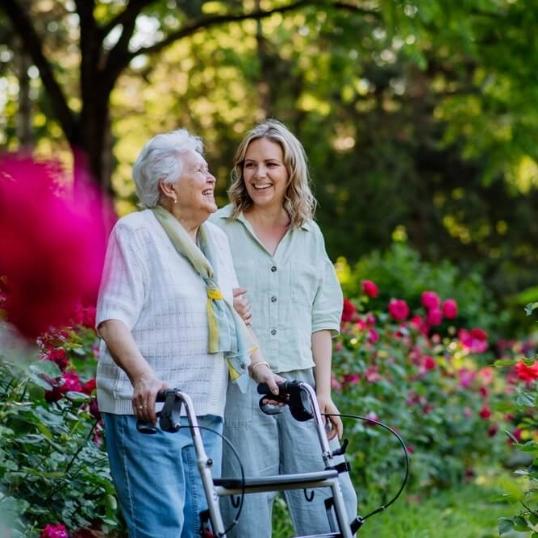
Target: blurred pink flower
434, 317
54, 531
485, 412
373, 336
450, 309
475, 340
493, 429
52, 243
398, 309
370, 289
430, 300
68, 382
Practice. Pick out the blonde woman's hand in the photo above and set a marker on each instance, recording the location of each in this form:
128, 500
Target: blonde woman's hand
241, 305
326, 406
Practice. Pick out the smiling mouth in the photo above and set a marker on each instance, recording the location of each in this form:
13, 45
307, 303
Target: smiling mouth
261, 187
208, 192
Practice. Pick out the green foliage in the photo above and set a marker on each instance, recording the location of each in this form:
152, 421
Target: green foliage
53, 468
523, 409
400, 272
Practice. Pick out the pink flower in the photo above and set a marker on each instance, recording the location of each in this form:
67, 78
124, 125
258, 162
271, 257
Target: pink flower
54, 531
373, 336
68, 382
398, 309
450, 309
371, 416
429, 362
372, 375
434, 317
492, 430
52, 244
430, 300
485, 412
89, 386
370, 289
349, 311
58, 356
475, 340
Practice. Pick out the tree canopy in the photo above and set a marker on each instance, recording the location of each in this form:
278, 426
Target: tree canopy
418, 118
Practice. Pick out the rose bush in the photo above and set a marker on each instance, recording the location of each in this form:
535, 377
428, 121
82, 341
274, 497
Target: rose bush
53, 466
437, 389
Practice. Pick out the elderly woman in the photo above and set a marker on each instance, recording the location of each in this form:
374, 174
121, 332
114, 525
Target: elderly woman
165, 320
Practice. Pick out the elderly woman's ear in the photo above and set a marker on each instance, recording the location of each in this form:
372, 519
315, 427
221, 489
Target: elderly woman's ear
168, 191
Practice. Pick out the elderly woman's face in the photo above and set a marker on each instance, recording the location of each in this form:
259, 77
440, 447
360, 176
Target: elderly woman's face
196, 185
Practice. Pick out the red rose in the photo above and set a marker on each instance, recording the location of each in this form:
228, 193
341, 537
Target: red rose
450, 309
349, 311
370, 289
526, 373
398, 309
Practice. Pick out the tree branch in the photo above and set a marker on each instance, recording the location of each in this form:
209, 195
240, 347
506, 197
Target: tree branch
32, 43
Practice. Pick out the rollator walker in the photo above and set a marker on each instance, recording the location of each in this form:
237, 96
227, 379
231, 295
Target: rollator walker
301, 398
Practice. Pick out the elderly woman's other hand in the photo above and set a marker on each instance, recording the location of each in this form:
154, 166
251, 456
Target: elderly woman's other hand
241, 305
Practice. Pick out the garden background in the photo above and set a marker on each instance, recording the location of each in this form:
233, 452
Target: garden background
420, 123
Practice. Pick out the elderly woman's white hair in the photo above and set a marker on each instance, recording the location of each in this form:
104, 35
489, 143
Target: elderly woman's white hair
161, 160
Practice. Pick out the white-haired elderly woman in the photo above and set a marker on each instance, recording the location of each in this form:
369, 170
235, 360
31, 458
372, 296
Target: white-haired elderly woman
167, 273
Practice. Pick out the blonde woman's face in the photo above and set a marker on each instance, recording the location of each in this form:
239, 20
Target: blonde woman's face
265, 174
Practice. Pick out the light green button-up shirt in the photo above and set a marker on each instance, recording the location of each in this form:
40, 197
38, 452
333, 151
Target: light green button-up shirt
292, 294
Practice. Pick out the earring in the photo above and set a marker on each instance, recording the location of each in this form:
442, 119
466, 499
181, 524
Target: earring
175, 200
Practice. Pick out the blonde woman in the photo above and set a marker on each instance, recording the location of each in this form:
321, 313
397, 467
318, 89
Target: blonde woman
296, 302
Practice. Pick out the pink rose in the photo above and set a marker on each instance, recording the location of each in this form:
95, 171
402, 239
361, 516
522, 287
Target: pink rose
434, 317
398, 309
370, 289
450, 309
430, 300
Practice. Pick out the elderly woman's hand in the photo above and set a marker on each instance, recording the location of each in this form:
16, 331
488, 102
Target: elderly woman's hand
241, 305
261, 372
144, 397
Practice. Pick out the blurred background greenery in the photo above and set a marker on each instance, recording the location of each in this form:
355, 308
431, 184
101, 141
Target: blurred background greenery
419, 117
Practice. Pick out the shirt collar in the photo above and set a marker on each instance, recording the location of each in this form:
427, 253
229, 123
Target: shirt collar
225, 213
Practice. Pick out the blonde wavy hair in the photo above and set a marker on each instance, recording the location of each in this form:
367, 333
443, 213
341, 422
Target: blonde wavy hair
299, 202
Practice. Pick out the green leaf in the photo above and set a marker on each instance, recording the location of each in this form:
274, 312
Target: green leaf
505, 525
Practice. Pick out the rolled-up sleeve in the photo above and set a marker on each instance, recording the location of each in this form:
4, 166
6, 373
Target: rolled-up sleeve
328, 302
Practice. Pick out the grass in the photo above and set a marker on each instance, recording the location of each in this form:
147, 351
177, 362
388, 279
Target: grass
468, 511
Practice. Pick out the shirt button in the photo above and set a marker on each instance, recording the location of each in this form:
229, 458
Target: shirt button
273, 299
273, 332
273, 269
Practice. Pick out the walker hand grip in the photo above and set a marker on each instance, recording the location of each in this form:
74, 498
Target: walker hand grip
169, 416
292, 394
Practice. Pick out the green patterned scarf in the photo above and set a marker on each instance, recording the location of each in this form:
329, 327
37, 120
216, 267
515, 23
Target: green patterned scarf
227, 332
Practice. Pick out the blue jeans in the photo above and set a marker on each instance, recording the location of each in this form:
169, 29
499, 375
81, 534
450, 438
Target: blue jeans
156, 477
